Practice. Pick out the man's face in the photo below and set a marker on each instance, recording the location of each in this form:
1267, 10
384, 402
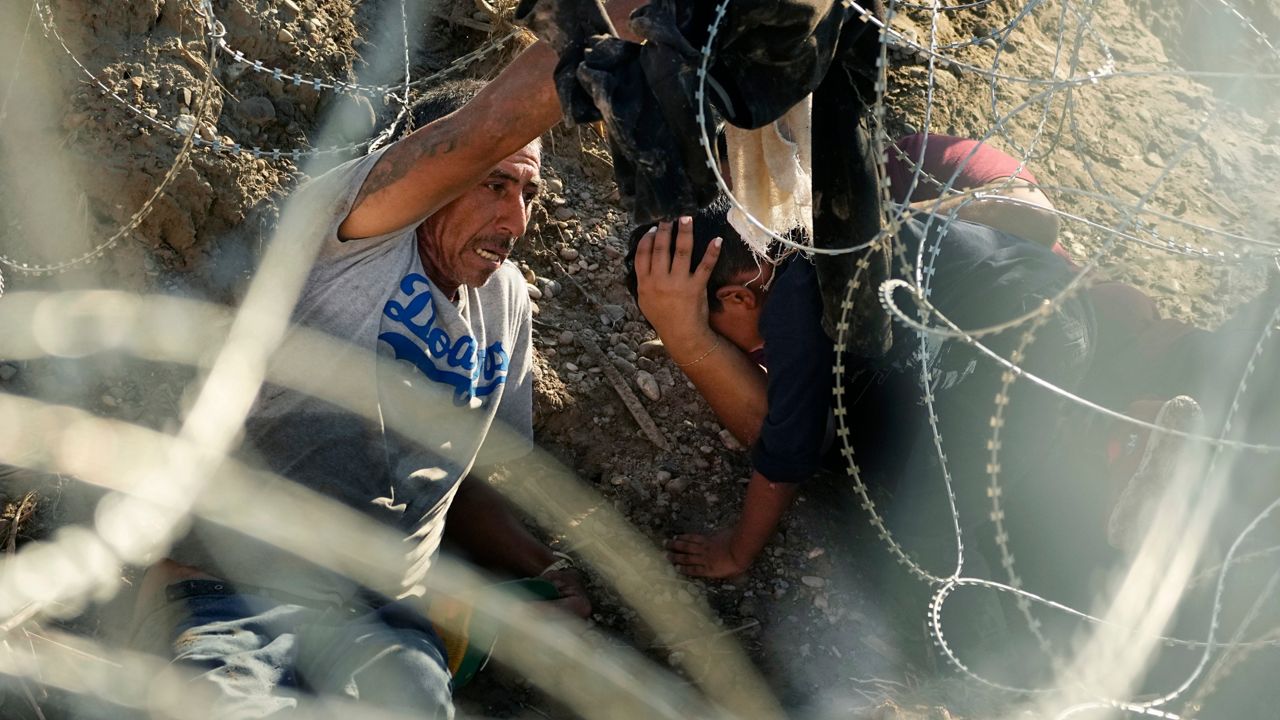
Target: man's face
741, 305
465, 242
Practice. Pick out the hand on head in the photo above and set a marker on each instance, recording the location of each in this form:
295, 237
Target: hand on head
671, 290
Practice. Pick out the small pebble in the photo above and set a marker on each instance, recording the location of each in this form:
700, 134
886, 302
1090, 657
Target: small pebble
256, 110
648, 385
554, 185
652, 349
564, 213
813, 581
568, 254
534, 292
565, 337
730, 442
612, 252
284, 36
663, 477
570, 367
615, 312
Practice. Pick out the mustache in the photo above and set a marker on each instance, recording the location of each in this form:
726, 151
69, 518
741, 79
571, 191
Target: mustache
506, 242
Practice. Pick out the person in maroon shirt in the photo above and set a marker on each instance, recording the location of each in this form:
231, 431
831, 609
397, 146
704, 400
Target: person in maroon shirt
967, 168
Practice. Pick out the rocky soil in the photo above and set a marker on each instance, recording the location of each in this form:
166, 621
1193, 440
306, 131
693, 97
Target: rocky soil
1195, 152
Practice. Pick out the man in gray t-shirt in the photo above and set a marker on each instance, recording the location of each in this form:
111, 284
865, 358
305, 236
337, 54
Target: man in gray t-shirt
414, 267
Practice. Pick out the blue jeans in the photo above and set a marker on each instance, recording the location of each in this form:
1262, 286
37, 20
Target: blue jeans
264, 655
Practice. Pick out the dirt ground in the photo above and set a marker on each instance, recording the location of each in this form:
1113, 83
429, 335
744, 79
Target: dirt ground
1196, 152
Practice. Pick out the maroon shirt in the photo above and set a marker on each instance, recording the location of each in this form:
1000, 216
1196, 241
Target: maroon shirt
942, 155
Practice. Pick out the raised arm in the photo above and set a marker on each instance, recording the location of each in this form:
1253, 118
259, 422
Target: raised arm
424, 171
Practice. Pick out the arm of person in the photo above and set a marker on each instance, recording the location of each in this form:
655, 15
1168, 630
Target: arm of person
788, 449
731, 552
1030, 215
481, 523
422, 172
673, 298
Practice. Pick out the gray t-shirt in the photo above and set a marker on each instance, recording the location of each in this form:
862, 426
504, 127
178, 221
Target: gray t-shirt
375, 294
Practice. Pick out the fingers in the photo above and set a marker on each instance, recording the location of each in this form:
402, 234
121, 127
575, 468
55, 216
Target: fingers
567, 582
661, 263
644, 254
682, 259
708, 264
690, 543
689, 555
576, 606
655, 255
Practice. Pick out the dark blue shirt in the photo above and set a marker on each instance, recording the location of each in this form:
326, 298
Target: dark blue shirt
980, 276
799, 355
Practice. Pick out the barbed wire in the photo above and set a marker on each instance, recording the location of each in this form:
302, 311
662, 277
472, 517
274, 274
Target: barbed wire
215, 33
927, 320
377, 92
179, 162
923, 277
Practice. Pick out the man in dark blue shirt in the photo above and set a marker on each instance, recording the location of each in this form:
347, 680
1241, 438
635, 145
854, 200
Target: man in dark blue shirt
724, 320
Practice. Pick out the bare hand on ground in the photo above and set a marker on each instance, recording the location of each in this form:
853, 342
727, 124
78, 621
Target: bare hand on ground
573, 595
709, 556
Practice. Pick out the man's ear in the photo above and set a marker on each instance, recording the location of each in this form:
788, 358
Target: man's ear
737, 296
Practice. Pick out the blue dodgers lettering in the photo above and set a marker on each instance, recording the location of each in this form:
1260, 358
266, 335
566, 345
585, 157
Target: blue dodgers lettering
495, 361
470, 372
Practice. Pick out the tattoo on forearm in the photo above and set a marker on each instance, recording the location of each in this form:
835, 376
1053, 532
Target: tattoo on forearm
400, 158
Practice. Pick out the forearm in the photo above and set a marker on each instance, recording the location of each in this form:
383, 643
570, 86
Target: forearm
422, 172
1037, 224
1027, 212
765, 504
733, 385
482, 524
